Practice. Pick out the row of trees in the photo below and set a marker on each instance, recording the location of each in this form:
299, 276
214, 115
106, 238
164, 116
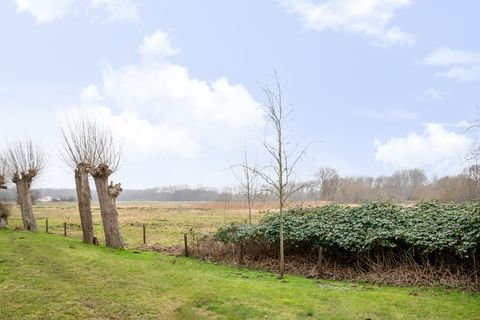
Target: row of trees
90, 150
404, 185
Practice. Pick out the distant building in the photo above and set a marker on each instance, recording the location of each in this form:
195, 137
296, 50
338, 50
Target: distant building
45, 199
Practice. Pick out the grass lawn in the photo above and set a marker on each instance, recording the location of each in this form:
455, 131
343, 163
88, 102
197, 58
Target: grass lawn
51, 277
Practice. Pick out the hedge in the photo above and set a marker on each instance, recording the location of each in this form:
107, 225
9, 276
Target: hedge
426, 227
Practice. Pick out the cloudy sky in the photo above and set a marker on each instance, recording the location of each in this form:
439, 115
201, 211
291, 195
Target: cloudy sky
384, 84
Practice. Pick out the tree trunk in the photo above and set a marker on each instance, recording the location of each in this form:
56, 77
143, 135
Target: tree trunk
107, 196
84, 208
282, 252
25, 201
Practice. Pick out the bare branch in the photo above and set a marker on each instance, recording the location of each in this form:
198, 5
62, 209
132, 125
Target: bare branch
89, 143
280, 174
24, 160
248, 180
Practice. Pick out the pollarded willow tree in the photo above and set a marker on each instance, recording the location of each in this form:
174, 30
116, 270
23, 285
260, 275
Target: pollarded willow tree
4, 208
25, 162
106, 162
80, 151
3, 172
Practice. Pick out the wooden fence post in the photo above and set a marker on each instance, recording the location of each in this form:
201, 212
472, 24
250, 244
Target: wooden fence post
241, 252
320, 259
144, 234
186, 244
65, 229
46, 225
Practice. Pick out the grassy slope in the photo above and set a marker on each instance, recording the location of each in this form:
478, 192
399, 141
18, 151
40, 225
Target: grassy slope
48, 276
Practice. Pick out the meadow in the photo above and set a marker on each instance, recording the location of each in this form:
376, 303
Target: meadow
166, 222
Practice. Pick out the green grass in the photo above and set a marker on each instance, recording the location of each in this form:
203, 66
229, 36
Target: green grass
51, 277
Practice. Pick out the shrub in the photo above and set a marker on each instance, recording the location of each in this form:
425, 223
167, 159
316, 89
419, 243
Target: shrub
5, 210
428, 227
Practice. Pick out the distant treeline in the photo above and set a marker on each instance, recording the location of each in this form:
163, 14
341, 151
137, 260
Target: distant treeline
328, 185
405, 185
177, 193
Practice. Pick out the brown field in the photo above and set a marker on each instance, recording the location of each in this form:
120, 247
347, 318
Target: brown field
166, 222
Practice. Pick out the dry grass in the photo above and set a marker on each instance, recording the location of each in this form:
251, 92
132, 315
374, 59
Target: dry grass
166, 222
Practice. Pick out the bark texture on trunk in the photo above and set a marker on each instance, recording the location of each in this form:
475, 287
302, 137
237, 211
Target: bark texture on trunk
282, 250
25, 202
84, 199
2, 182
107, 195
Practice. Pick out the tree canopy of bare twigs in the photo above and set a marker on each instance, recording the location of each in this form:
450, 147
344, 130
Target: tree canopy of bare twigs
246, 175
88, 142
80, 137
25, 161
328, 180
279, 175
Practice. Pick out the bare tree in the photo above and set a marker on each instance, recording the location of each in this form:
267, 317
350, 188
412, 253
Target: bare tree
280, 174
106, 162
227, 196
25, 162
80, 150
247, 177
328, 179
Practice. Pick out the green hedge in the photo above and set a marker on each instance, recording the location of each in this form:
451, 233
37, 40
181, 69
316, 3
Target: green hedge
426, 227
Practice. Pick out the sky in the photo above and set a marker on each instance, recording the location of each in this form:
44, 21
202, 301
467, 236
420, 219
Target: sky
376, 85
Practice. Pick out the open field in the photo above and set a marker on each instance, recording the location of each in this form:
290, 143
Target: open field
166, 221
49, 277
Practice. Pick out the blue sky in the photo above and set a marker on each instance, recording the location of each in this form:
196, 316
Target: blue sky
384, 84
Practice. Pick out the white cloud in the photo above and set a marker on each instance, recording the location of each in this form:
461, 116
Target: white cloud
138, 134
90, 94
46, 10
368, 17
157, 105
119, 10
436, 150
157, 46
461, 65
445, 56
464, 124
51, 10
